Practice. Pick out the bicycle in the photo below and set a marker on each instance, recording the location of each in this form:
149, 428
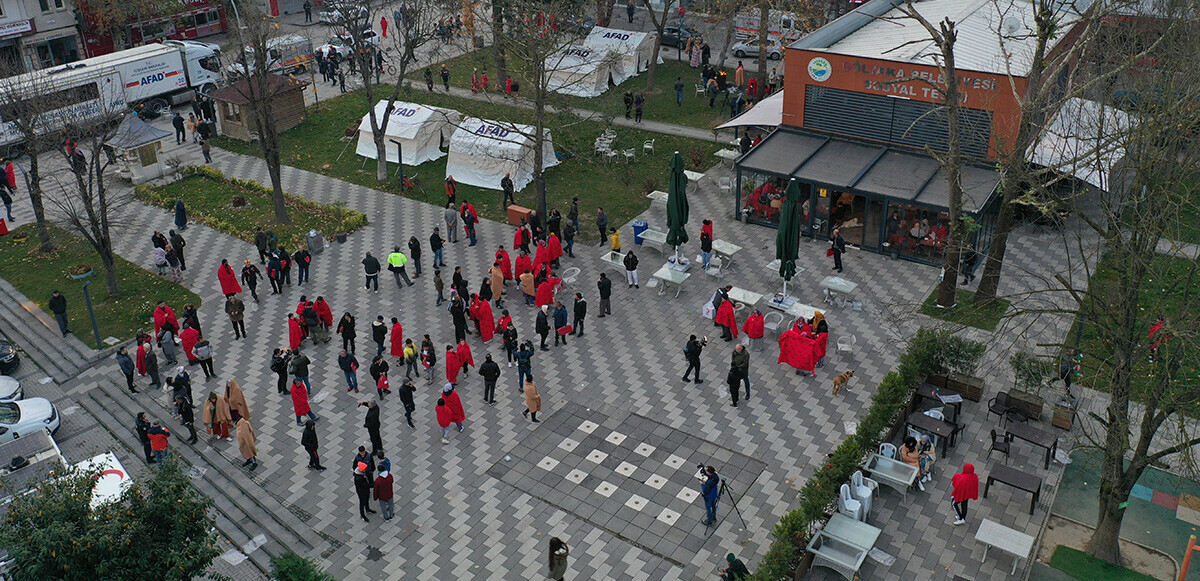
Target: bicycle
411, 182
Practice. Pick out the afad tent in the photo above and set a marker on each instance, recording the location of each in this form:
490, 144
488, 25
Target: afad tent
578, 70
630, 51
482, 151
418, 128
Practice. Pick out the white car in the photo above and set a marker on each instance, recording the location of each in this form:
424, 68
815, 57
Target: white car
10, 389
338, 13
27, 415
749, 47
342, 42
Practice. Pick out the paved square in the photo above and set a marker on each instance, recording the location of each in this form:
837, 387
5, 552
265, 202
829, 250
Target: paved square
624, 484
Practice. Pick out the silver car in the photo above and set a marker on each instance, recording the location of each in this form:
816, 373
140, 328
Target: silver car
749, 47
28, 415
10, 389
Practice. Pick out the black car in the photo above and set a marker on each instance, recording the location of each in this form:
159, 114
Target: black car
676, 36
9, 359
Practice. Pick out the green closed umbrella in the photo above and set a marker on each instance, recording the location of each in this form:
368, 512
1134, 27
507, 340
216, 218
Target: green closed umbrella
787, 240
677, 205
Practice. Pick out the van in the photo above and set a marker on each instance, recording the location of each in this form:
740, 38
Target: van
285, 55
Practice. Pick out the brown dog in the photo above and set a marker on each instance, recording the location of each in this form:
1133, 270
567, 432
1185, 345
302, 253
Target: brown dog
840, 381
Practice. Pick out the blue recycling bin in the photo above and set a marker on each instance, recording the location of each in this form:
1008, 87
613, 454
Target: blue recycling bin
639, 226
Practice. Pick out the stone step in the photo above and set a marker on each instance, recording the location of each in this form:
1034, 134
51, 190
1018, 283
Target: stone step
36, 332
242, 501
37, 351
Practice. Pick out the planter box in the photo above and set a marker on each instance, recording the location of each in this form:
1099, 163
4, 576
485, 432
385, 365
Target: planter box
1028, 404
803, 566
1064, 414
969, 387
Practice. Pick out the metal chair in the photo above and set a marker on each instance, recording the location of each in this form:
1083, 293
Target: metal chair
1000, 444
725, 183
714, 268
648, 145
1000, 406
773, 322
570, 276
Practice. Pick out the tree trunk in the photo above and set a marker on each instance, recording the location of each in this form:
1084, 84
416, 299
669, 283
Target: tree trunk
764, 28
498, 53
539, 138
989, 281
39, 207
728, 42
948, 286
653, 67
110, 270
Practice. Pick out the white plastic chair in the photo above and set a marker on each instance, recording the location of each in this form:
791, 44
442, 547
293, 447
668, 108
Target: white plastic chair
846, 343
610, 155
648, 145
849, 506
726, 184
862, 486
699, 89
938, 413
888, 450
773, 322
862, 493
629, 155
570, 276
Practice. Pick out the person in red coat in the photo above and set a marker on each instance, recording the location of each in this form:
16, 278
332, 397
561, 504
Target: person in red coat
443, 419
822, 341
295, 335
457, 414
465, 358
228, 279
803, 328
453, 365
727, 320
797, 351
473, 311
541, 256
323, 311
522, 264
965, 487
300, 402
505, 263
486, 327
554, 247
503, 322
397, 339
141, 359
753, 328
545, 291
164, 314
189, 337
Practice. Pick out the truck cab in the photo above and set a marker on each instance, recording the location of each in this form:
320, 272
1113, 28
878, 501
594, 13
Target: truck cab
202, 64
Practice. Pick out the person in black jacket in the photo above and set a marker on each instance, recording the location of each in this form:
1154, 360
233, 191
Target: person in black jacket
631, 274
435, 246
692, 351
838, 244
372, 425
506, 184
250, 276
303, 259
142, 426
407, 389
560, 321
371, 268
348, 363
58, 306
605, 286
379, 366
458, 310
491, 373
379, 332
177, 243
510, 341
187, 416
279, 364
580, 313
309, 441
969, 258
543, 325
705, 250
345, 328
414, 255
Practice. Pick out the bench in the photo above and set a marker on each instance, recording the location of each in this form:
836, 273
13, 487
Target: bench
893, 473
836, 553
1016, 479
615, 260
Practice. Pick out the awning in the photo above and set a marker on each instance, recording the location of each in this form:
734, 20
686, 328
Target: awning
1083, 139
767, 113
866, 169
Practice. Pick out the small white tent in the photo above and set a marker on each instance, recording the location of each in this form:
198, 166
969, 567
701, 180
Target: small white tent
482, 151
632, 50
578, 70
418, 128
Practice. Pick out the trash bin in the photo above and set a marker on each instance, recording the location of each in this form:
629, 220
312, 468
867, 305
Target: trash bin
315, 242
639, 226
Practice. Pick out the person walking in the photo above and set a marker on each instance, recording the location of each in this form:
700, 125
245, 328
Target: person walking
279, 364
410, 359
177, 243
560, 324
436, 245
379, 332
247, 443
629, 10
371, 423
407, 389
837, 245
451, 218
446, 78
965, 488
533, 400
614, 240
228, 279
363, 486
543, 325
300, 402
58, 306
631, 273
604, 285
159, 437
639, 102
383, 492
679, 91
125, 363
142, 426
602, 224
309, 441
262, 243
396, 264
379, 371
216, 416
429, 79
303, 260
692, 351
275, 274
345, 328
187, 417
490, 372
236, 309
236, 400
524, 364
457, 414
371, 269
414, 254
349, 366
250, 276
204, 356
439, 285
558, 549
443, 419
580, 309
397, 340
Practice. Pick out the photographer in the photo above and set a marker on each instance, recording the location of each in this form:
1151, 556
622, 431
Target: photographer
710, 489
279, 364
692, 351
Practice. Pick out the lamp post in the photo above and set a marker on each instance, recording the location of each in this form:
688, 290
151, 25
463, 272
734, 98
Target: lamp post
87, 297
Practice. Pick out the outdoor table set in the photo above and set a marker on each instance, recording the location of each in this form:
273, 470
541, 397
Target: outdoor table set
672, 273
837, 290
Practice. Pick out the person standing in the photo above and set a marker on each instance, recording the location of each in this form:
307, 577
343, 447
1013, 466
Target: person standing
469, 218
345, 328
397, 340
177, 243
228, 279
446, 78
152, 366
628, 98
631, 273
458, 313
180, 128
692, 350
279, 364
180, 215
543, 325
410, 359
710, 490
558, 549
429, 79
439, 285
604, 285
639, 102
158, 441
436, 246
443, 419
969, 258
629, 10
299, 368
379, 334
396, 264
705, 250
142, 427
247, 443
216, 416
602, 224
490, 372
300, 402
204, 356
250, 276
363, 486
727, 319
414, 253
560, 324
739, 367
428, 359
383, 492
965, 487
303, 259
457, 414
837, 245
58, 306
524, 364
506, 184
407, 389
309, 440
679, 91
307, 11
753, 328
371, 423
236, 310
275, 274
6, 194
569, 238
451, 218
125, 363
349, 366
614, 240
187, 416
580, 314
371, 269
533, 400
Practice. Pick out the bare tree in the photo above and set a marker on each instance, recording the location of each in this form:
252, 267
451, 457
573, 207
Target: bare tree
24, 104
659, 20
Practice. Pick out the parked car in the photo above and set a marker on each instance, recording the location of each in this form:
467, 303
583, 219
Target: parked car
677, 36
749, 47
27, 415
10, 389
337, 13
342, 42
9, 358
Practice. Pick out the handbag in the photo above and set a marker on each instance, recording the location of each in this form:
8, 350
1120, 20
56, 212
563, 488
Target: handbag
829, 252
565, 329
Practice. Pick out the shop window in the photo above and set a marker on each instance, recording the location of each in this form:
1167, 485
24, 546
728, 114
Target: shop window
762, 198
201, 19
48, 5
917, 232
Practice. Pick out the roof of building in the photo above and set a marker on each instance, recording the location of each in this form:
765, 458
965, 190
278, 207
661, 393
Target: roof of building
993, 35
239, 92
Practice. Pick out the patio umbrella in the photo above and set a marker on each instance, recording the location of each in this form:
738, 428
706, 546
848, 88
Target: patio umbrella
677, 205
787, 240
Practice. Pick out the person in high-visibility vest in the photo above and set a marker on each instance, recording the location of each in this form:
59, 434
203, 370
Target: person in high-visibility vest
396, 261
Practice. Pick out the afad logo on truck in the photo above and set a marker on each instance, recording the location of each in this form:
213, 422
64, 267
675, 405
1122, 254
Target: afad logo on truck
153, 78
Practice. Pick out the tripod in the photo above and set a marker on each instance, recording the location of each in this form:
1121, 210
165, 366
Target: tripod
724, 490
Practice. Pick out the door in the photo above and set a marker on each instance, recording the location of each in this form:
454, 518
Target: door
873, 222
820, 214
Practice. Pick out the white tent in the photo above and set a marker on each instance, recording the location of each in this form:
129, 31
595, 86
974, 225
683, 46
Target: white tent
418, 128
767, 113
578, 70
482, 151
1083, 139
631, 49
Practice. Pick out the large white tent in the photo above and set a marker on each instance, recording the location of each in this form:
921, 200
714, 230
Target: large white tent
631, 50
418, 128
482, 151
578, 70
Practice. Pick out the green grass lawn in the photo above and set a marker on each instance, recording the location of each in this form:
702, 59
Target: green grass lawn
1085, 567
617, 187
965, 312
208, 196
660, 104
37, 275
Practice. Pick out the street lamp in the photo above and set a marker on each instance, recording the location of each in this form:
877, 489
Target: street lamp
87, 296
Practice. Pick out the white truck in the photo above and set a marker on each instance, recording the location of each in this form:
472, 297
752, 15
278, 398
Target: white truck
781, 25
158, 75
